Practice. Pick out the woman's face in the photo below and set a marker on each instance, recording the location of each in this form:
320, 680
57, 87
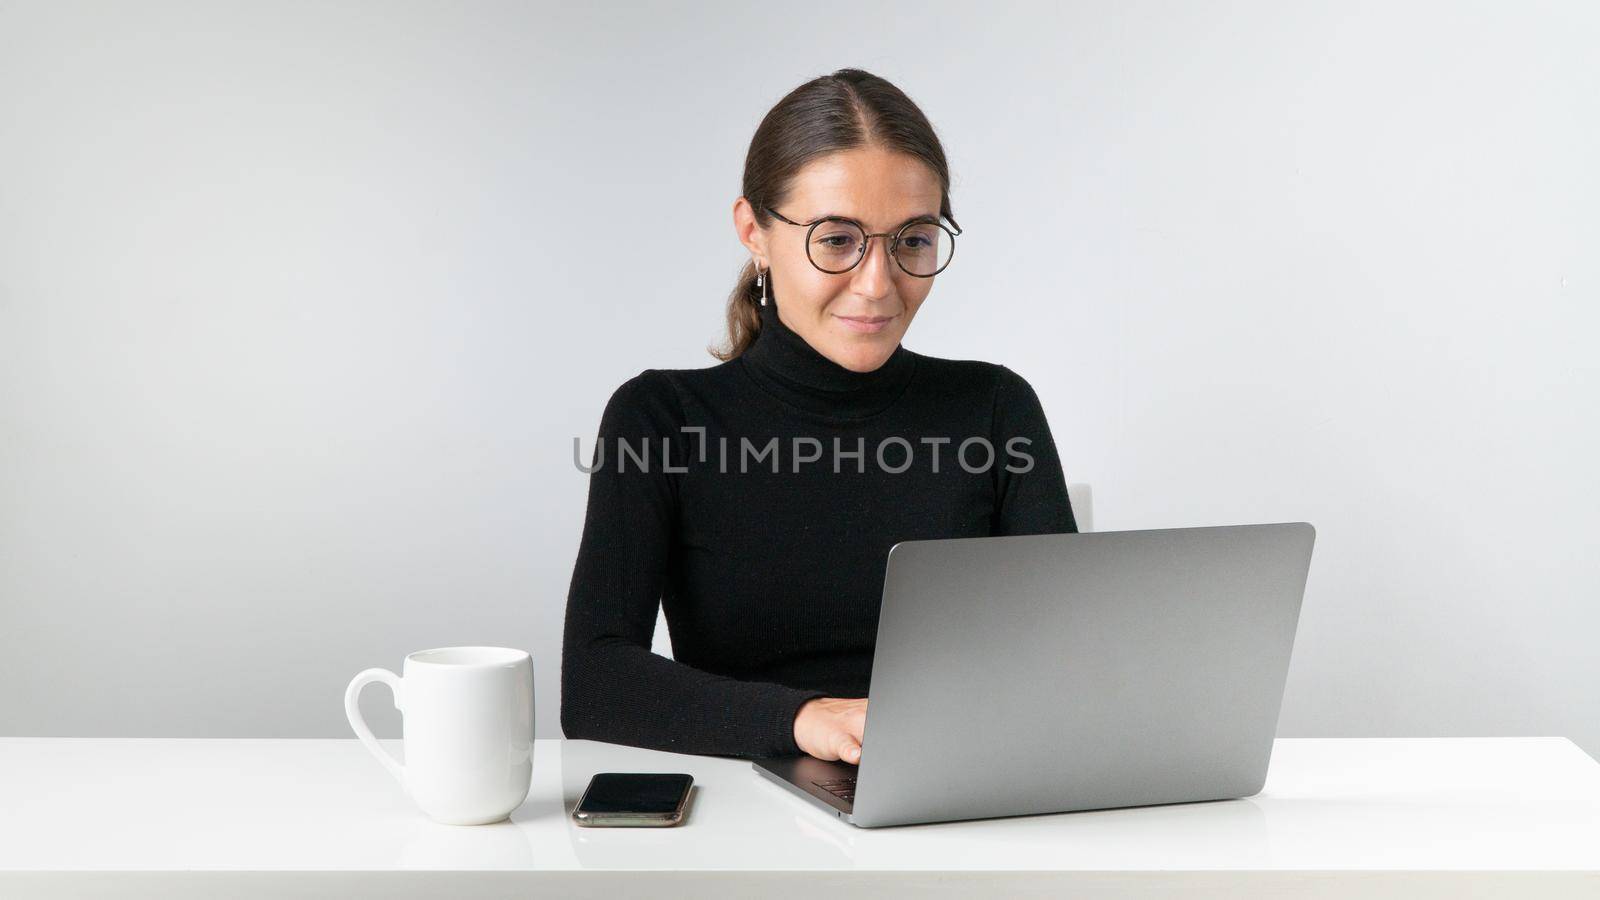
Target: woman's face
857, 317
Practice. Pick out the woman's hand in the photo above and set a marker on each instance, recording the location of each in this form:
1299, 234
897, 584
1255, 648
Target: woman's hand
830, 728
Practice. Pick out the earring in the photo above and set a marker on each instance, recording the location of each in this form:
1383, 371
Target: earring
761, 282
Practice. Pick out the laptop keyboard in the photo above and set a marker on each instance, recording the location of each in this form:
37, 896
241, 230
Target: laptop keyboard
843, 788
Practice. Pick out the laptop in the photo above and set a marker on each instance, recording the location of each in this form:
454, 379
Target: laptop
1034, 674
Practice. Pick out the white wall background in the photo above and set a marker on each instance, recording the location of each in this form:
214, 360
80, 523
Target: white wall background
301, 306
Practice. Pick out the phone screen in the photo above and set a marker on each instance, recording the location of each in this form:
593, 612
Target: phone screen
635, 792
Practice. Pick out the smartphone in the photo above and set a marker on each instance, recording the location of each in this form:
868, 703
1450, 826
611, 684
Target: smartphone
633, 799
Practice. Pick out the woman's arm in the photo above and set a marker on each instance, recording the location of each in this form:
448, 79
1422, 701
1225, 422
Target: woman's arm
1030, 489
613, 688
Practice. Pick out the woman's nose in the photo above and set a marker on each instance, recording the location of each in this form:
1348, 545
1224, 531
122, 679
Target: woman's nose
876, 271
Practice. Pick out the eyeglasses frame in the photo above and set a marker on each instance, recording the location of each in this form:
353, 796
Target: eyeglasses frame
867, 241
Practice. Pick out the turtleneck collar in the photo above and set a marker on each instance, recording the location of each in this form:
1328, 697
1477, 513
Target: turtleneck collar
797, 374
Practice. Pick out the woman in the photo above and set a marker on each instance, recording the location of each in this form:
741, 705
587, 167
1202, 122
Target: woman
756, 500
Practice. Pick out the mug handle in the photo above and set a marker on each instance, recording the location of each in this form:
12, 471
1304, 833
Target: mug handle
352, 711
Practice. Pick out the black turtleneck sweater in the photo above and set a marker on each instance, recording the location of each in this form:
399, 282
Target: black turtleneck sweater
771, 581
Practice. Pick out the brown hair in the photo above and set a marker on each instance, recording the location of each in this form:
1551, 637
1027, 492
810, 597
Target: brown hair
848, 109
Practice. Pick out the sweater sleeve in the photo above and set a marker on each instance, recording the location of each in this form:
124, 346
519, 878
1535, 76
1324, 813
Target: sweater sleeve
1030, 489
613, 687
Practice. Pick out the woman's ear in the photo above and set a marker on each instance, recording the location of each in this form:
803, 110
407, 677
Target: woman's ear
749, 231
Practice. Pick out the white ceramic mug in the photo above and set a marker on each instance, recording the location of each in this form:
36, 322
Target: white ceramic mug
467, 728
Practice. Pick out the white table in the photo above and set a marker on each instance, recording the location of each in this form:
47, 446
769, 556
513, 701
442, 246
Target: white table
1413, 818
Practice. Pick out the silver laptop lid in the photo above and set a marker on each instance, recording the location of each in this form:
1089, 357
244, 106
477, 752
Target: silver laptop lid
1046, 673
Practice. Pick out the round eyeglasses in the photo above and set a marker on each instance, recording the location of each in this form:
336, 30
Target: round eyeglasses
836, 244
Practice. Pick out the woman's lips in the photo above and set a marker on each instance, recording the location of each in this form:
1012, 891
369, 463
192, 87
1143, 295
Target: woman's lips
866, 324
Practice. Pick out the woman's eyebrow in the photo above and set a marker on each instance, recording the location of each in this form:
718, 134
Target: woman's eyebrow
933, 216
